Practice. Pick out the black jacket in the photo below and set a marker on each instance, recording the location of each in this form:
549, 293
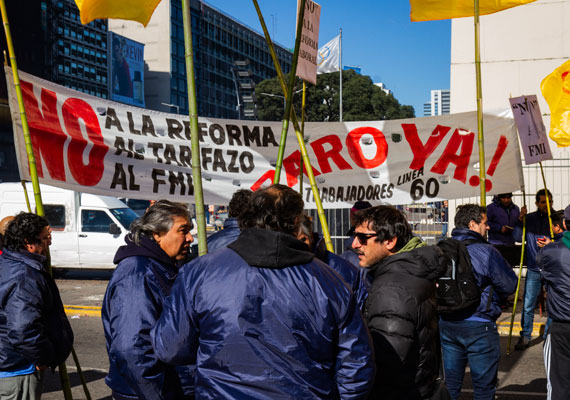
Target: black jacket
402, 316
33, 325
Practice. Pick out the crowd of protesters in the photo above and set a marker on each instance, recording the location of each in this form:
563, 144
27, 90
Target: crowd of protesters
270, 313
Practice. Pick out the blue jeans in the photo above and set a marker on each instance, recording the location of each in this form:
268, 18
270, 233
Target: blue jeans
531, 290
476, 343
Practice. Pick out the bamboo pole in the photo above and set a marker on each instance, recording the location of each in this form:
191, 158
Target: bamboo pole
519, 280
25, 127
81, 375
303, 102
195, 142
28, 204
66, 387
300, 139
480, 136
289, 95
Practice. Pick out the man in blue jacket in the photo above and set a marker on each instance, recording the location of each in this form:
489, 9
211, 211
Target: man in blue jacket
34, 331
537, 229
554, 262
263, 319
146, 269
502, 216
473, 338
354, 276
231, 230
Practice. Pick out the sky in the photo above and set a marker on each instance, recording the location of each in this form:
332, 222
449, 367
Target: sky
411, 59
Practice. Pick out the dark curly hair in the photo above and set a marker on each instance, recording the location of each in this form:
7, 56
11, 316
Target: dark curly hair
238, 203
388, 222
25, 228
469, 212
276, 208
542, 192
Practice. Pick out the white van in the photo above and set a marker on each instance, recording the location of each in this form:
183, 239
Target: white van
87, 229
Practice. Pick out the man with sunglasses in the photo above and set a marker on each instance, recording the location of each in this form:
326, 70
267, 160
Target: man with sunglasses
401, 307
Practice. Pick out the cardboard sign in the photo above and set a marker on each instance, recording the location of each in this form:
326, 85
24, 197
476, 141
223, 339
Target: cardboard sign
307, 66
532, 132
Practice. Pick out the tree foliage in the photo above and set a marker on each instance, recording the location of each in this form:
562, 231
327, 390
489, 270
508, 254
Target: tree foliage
362, 100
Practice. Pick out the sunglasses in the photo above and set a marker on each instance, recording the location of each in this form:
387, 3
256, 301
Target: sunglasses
363, 237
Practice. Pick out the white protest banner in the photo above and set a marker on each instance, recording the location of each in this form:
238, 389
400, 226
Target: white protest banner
532, 132
307, 66
92, 145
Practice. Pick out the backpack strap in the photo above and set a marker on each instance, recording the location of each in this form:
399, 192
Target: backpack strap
467, 242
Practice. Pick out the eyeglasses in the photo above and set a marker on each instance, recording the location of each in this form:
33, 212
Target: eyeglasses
363, 237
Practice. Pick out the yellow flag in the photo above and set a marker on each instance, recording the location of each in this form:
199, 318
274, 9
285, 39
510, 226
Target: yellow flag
428, 10
556, 91
135, 10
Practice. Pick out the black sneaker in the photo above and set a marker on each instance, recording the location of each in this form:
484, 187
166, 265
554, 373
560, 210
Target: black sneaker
523, 343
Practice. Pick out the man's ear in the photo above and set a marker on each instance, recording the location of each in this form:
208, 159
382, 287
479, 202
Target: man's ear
156, 237
391, 243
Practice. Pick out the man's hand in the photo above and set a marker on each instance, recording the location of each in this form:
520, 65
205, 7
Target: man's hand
523, 213
41, 367
543, 241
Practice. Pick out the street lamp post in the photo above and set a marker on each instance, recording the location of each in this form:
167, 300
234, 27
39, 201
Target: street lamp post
172, 105
281, 96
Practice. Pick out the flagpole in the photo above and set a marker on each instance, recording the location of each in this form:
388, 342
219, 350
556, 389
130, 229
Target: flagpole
300, 139
481, 137
340, 70
194, 139
289, 95
64, 377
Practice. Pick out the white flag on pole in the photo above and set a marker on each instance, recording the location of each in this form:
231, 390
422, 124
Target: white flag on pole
329, 57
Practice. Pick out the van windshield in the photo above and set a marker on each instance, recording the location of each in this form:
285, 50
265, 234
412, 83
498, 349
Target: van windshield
126, 216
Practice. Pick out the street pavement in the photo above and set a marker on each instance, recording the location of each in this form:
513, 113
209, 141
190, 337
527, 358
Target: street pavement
521, 374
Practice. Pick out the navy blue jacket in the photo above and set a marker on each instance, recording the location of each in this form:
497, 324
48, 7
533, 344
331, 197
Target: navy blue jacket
224, 237
132, 304
33, 325
490, 269
354, 276
537, 226
499, 216
554, 262
263, 319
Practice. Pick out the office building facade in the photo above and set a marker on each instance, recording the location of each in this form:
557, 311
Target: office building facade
50, 42
439, 103
229, 59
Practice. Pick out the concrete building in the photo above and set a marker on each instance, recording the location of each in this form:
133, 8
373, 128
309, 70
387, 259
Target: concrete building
230, 58
383, 87
519, 48
438, 104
